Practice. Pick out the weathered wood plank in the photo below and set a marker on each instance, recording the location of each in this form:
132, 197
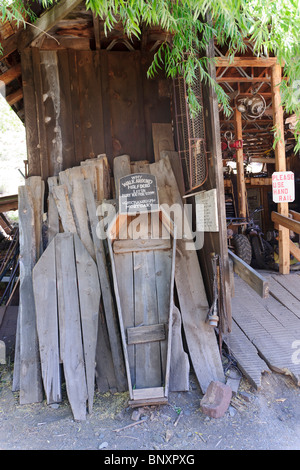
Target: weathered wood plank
105, 373
163, 276
78, 204
148, 362
162, 135
52, 215
89, 299
31, 389
176, 167
148, 393
284, 296
71, 348
255, 280
91, 114
273, 340
51, 103
124, 264
37, 186
31, 124
108, 301
40, 112
98, 170
17, 359
65, 118
146, 334
246, 355
127, 246
201, 339
45, 296
46, 22
180, 365
121, 167
291, 282
61, 197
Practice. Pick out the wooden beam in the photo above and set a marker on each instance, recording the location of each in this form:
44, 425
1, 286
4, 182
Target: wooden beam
249, 275
14, 97
9, 203
243, 79
46, 22
9, 45
286, 222
240, 166
280, 165
295, 251
97, 31
246, 61
295, 215
11, 74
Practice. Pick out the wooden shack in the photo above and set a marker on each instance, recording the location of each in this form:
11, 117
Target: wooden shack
85, 96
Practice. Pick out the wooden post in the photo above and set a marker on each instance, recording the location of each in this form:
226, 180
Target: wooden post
280, 165
241, 186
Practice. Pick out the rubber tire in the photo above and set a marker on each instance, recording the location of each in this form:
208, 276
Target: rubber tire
261, 258
242, 247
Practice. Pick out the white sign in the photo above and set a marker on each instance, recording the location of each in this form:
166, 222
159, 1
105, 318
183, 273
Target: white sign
283, 186
207, 211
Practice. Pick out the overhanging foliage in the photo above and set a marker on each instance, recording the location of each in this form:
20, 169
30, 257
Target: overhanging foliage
272, 26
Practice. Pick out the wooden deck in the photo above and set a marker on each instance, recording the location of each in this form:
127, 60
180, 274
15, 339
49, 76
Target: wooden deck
265, 334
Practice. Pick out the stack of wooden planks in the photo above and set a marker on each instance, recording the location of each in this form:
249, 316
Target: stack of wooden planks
68, 329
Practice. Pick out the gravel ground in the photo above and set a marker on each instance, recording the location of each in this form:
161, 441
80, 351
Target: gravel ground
268, 419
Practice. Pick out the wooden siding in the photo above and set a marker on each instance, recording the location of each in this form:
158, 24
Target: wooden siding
83, 103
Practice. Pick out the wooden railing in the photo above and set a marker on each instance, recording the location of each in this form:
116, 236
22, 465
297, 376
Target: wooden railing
292, 223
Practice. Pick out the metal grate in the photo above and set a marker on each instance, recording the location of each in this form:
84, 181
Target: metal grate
190, 135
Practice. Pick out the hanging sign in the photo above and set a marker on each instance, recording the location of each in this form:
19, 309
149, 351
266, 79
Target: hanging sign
283, 186
207, 211
138, 193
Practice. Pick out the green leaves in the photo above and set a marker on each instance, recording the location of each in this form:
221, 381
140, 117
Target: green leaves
271, 25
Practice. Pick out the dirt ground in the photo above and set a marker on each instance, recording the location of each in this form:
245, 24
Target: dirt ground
268, 419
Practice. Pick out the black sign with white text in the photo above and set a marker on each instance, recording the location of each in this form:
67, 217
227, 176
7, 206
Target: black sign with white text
138, 193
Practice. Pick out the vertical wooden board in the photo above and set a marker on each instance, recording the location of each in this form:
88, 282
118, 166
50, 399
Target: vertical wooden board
89, 298
106, 290
148, 360
52, 107
105, 373
90, 103
105, 80
125, 104
97, 170
163, 273
45, 296
163, 140
31, 389
31, 122
52, 216
75, 100
180, 365
121, 167
38, 86
176, 167
77, 200
17, 358
89, 172
124, 271
157, 102
71, 347
61, 197
66, 111
37, 190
